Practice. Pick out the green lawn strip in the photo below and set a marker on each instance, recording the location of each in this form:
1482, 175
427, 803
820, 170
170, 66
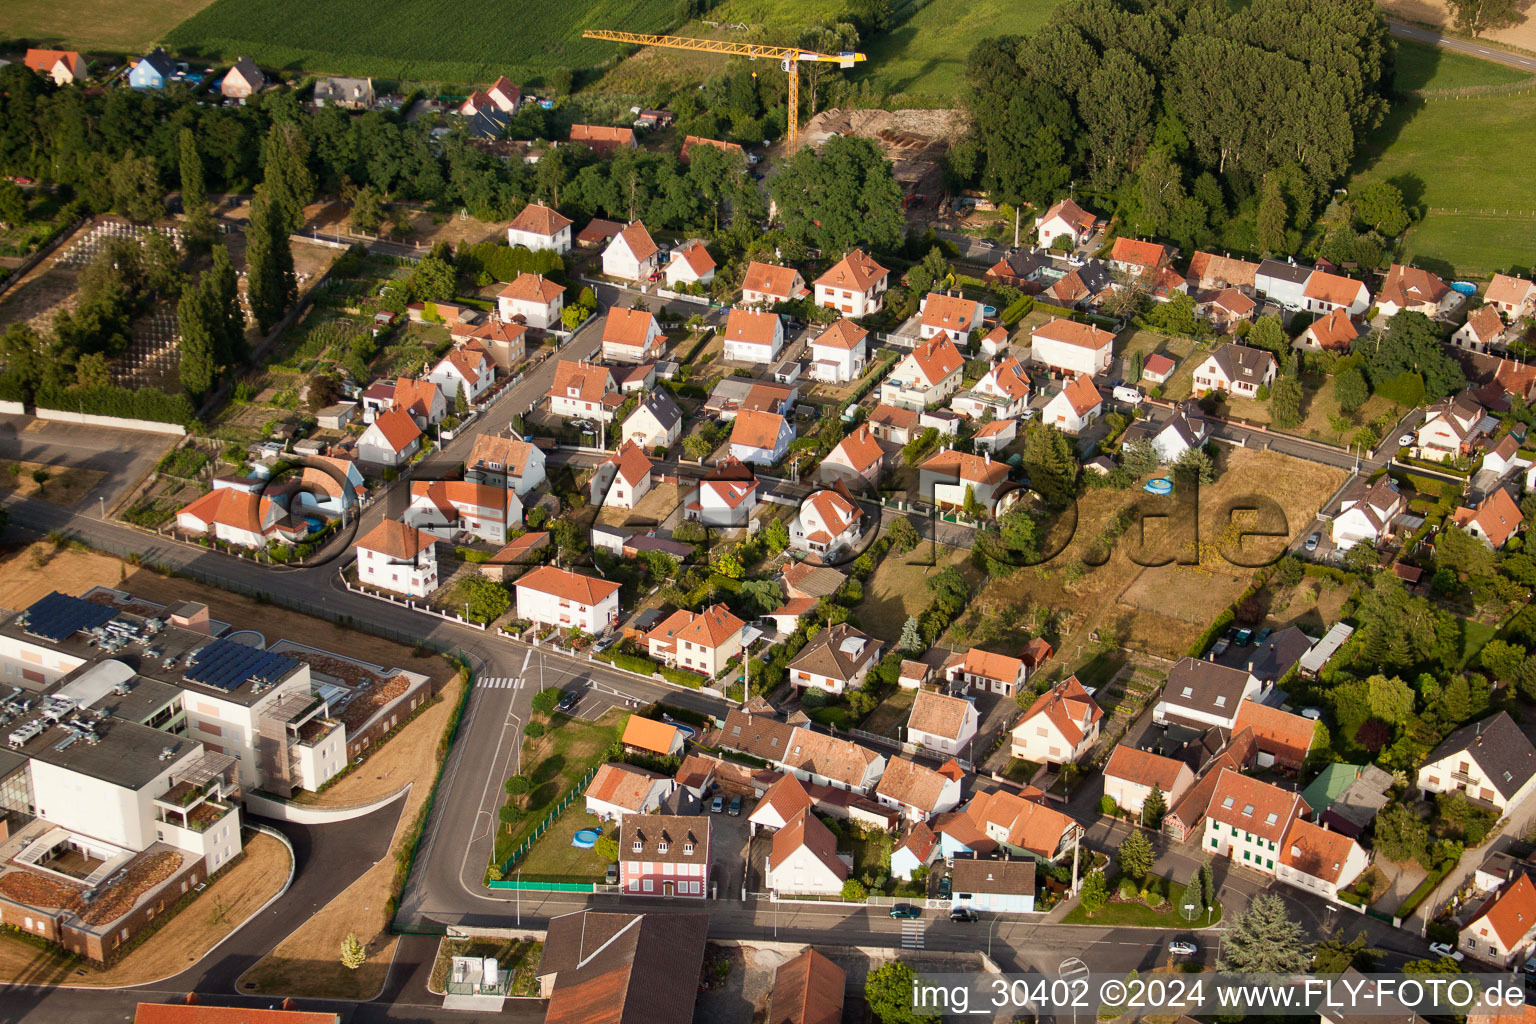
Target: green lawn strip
1139, 915
554, 859
555, 764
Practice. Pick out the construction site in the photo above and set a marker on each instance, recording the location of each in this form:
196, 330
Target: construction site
915, 142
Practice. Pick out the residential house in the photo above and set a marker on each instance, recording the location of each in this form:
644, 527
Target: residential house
920, 849
598, 233
859, 458
648, 736
1237, 369
949, 478
1060, 727
1130, 776
927, 375
893, 424
1080, 287
1494, 521
646, 967
807, 990
838, 354
997, 886
584, 390
1331, 332
195, 1012
1283, 283
1064, 220
1068, 347
664, 855
803, 580
632, 255
532, 299
766, 284
623, 478
489, 125
1515, 297
1003, 391
726, 497
1075, 406
753, 336
657, 422
505, 342
854, 286
1247, 820
1227, 308
346, 93
1318, 860
1184, 428
502, 96
1326, 292
390, 440
827, 524
1022, 826
778, 806
1451, 427
1138, 258
1413, 290
691, 263
760, 438
690, 141
330, 485
1490, 760
1484, 331
702, 642
952, 316
1157, 368
604, 140
1202, 694
1282, 738
503, 461
465, 371
1505, 456
986, 672
803, 859
995, 436
940, 723
1210, 274
1367, 512
835, 660
995, 342
451, 509
243, 80
620, 789
395, 556
631, 336
558, 597
918, 792
1503, 928
238, 517
152, 72
538, 227
65, 67
421, 399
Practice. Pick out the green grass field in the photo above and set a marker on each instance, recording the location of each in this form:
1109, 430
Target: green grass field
922, 60
94, 24
419, 40
1421, 66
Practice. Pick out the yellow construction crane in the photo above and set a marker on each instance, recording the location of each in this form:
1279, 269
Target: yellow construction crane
789, 58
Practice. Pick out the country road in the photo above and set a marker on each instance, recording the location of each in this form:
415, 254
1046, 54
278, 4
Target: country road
1471, 48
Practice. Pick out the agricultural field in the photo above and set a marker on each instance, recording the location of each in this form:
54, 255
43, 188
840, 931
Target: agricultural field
922, 60
418, 40
94, 24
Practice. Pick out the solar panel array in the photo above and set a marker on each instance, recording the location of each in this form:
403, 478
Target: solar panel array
226, 665
60, 616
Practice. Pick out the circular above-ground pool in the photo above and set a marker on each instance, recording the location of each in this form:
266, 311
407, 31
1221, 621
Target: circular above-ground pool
586, 838
1464, 287
1162, 485
989, 311
688, 731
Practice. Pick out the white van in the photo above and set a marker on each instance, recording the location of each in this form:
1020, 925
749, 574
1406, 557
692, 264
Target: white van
1127, 394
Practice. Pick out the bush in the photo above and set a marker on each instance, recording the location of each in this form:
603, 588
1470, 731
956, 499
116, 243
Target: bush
854, 892
143, 404
1107, 806
517, 785
546, 700
533, 730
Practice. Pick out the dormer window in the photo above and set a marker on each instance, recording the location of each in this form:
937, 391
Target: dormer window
1189, 691
661, 847
1271, 819
687, 849
638, 846
572, 392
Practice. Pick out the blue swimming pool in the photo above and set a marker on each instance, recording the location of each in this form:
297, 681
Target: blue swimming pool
1162, 485
585, 838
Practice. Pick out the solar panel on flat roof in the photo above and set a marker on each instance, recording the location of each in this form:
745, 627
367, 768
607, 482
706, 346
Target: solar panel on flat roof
60, 616
226, 665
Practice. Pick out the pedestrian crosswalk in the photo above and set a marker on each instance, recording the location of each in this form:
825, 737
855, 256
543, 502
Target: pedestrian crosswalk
911, 935
499, 683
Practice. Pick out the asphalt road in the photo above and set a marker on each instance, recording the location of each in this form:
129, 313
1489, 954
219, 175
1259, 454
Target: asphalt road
1469, 47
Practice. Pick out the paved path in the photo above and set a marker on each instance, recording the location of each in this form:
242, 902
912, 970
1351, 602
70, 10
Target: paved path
1469, 47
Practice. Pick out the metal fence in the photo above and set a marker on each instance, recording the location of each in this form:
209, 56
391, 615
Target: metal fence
549, 819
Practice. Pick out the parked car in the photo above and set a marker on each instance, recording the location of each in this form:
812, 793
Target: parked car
1446, 949
1311, 544
965, 914
1242, 637
1262, 635
611, 875
568, 701
1183, 947
1128, 395
717, 805
1405, 440
945, 887
735, 806
905, 912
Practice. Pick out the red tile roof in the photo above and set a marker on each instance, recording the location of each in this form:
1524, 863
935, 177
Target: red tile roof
975, 469
567, 585
752, 327
649, 734
950, 312
1082, 395
397, 428
1332, 288
1335, 330
638, 241
1288, 737
538, 219
845, 335
1144, 768
1512, 914
1138, 252
194, 1013
860, 449
397, 540
1075, 215
600, 136
693, 140
628, 327
42, 61
854, 272
757, 429
1411, 286
1316, 851
769, 279
1253, 806
1068, 707
937, 358
805, 829
591, 381
807, 990
696, 256
1070, 332
233, 507
533, 288
1497, 517
1505, 289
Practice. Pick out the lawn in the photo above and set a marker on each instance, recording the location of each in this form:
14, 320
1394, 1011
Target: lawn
94, 24
1421, 66
922, 60
1317, 404
899, 587
554, 859
1139, 915
1473, 636
887, 718
521, 956
556, 762
420, 40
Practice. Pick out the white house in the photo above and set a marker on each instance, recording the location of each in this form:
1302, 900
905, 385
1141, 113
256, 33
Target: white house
986, 672
1139, 258
691, 264
702, 642
1170, 438
927, 375
953, 316
920, 849
1075, 406
897, 426
838, 354
454, 508
330, 484
1315, 859
859, 459
397, 557
1130, 776
753, 336
1484, 331
1003, 391
995, 886
803, 859
1415, 290
464, 370
622, 789
1515, 297
1326, 292
538, 227
725, 497
949, 477
835, 660
1366, 513
827, 523
1493, 521
1490, 760
854, 286
760, 438
995, 436
1505, 456
531, 299
631, 255
505, 461
390, 440
1203, 694
1331, 332
1451, 426
235, 516
1060, 727
1238, 369
584, 391
1067, 346
657, 422
766, 284
784, 799
1247, 820
941, 723
1064, 220
1501, 931
918, 792
632, 336
622, 480
558, 597
1283, 282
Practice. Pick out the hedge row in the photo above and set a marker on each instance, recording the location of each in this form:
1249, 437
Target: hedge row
143, 404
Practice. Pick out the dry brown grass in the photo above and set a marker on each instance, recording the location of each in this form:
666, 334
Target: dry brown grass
899, 588
184, 939
64, 486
